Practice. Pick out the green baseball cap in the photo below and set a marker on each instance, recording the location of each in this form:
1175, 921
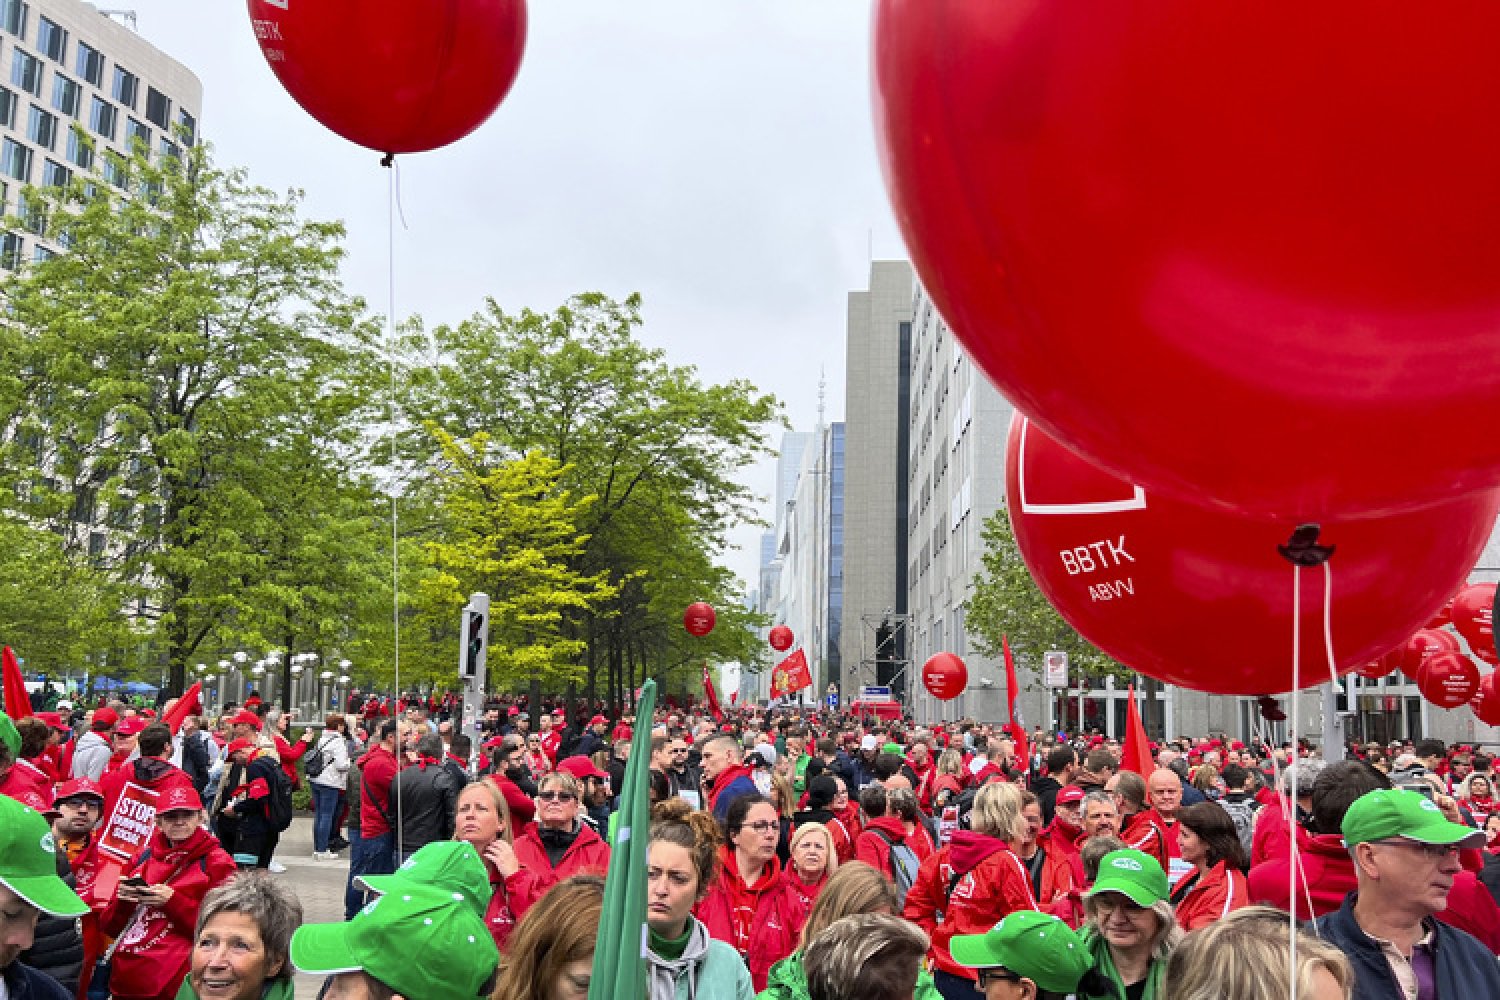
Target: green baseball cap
1136, 874
452, 866
10, 735
1396, 812
1035, 945
28, 861
421, 942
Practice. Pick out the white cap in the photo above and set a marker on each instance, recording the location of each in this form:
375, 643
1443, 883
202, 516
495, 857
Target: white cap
868, 743
766, 752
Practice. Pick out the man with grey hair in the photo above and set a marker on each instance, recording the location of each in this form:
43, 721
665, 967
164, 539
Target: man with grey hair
869, 956
1100, 816
425, 797
1272, 838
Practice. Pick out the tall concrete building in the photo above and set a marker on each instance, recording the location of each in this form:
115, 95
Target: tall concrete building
66, 64
873, 643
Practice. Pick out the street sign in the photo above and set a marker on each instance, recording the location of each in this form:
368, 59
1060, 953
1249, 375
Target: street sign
1055, 666
833, 701
875, 693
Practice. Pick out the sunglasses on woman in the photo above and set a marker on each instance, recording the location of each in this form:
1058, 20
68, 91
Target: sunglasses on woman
556, 796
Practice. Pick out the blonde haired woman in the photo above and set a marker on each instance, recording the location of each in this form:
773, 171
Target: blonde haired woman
974, 882
482, 819
1247, 956
854, 889
813, 861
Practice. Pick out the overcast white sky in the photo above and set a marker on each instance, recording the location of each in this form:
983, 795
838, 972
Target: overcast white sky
716, 156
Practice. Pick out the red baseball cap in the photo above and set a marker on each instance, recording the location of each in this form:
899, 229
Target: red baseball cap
1069, 794
36, 800
245, 718
492, 742
52, 719
235, 746
252, 700
580, 767
178, 796
78, 788
105, 718
131, 726
597, 719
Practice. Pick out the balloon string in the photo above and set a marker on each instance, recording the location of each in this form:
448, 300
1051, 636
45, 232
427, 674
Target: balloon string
1291, 806
393, 202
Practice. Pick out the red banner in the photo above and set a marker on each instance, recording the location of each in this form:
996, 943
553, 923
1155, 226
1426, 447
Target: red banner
129, 826
711, 695
791, 674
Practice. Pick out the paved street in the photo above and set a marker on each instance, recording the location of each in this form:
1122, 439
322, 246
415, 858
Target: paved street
318, 884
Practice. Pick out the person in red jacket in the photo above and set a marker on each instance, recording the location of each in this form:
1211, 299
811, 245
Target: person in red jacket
18, 775
813, 861
1138, 827
374, 850
751, 906
276, 726
482, 820
1208, 841
1056, 872
152, 770
559, 843
155, 906
985, 881
882, 832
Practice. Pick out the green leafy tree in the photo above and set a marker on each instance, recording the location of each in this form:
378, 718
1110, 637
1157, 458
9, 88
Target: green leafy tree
193, 322
1007, 602
513, 532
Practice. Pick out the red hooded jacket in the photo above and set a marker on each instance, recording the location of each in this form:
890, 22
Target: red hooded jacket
377, 771
991, 883
1141, 831
152, 957
1215, 894
872, 848
762, 923
147, 772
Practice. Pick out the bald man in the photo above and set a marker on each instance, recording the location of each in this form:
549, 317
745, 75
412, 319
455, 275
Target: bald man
1165, 788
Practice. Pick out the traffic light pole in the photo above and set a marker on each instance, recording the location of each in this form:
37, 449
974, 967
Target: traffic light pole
473, 654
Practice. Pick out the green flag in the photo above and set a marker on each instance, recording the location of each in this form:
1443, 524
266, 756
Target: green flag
620, 954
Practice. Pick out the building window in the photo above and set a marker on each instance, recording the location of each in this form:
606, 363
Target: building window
33, 215
96, 545
102, 118
89, 64
13, 17
138, 132
10, 251
158, 108
112, 168
52, 39
189, 126
80, 152
7, 108
56, 175
42, 127
15, 161
40, 254
169, 148
67, 95
26, 72
126, 86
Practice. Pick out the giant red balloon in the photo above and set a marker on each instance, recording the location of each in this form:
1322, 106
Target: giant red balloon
699, 619
1486, 701
1384, 666
1472, 607
945, 676
1201, 598
1448, 679
395, 75
1271, 291
781, 638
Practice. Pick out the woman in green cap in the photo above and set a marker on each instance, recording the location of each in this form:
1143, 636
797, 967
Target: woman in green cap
1130, 931
1026, 956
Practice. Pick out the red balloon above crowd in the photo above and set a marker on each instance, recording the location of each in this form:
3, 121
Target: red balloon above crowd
1448, 679
396, 76
780, 638
945, 676
699, 619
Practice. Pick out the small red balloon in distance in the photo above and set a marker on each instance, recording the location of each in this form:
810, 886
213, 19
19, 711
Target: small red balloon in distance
1486, 701
781, 638
1386, 665
1200, 598
1424, 644
1448, 679
1472, 607
699, 619
945, 676
1283, 318
394, 75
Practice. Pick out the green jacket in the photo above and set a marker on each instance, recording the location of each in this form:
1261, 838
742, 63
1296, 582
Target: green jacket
276, 989
1102, 982
788, 982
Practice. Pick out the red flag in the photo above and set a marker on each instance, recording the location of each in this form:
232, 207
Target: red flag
711, 695
1137, 753
734, 696
188, 704
791, 674
17, 700
1016, 727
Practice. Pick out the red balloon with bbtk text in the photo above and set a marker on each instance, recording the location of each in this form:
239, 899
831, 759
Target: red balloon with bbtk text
780, 637
699, 619
394, 75
1448, 679
945, 676
1201, 598
1423, 645
1486, 700
1244, 254
1470, 613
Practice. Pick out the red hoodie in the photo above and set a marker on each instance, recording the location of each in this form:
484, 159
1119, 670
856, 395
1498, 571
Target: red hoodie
1202, 899
727, 777
762, 923
992, 883
147, 772
377, 771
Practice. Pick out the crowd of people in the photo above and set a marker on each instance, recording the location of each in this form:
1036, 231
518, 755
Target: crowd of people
791, 855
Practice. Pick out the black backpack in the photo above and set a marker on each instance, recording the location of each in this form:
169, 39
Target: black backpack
279, 801
316, 761
904, 864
